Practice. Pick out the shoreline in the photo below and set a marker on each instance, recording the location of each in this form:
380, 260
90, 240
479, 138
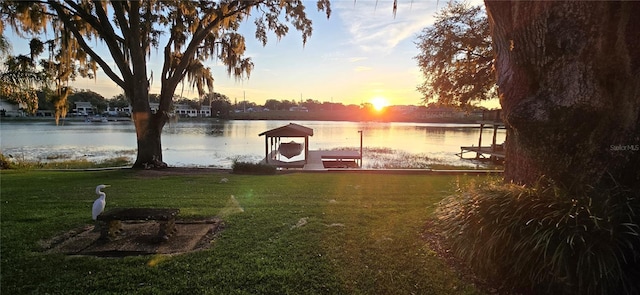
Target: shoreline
204, 170
256, 117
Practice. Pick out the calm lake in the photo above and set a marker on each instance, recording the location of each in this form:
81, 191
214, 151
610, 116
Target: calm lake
219, 143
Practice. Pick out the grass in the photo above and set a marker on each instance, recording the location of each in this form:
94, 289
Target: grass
297, 234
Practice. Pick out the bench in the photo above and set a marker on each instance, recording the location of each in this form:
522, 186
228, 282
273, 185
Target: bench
110, 221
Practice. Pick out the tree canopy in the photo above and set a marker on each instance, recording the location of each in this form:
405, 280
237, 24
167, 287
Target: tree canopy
20, 76
456, 57
19, 81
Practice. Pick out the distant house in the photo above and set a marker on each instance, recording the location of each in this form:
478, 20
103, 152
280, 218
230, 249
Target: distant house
10, 109
184, 110
83, 108
119, 111
205, 111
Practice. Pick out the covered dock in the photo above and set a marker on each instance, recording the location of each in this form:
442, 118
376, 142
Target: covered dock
282, 152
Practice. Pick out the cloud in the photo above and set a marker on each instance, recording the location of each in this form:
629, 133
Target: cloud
363, 69
357, 59
373, 28
341, 57
333, 56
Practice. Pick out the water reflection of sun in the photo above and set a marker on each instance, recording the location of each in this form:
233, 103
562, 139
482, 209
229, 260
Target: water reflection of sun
379, 103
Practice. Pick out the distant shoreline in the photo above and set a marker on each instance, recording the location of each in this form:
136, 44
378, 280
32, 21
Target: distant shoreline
349, 116
272, 116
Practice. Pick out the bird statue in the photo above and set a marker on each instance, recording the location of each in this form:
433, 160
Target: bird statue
98, 204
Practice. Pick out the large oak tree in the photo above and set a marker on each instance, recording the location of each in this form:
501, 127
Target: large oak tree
568, 76
187, 33
569, 82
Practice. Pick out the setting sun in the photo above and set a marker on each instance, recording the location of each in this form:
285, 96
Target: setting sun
379, 103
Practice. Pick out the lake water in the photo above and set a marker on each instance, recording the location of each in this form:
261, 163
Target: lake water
219, 143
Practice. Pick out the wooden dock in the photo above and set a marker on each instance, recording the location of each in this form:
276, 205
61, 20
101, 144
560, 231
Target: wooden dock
319, 160
483, 152
493, 152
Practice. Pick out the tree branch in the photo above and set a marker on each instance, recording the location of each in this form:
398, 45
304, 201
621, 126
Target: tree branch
138, 60
107, 34
66, 19
201, 34
119, 13
113, 40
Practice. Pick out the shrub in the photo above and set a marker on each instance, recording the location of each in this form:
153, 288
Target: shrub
4, 162
10, 163
115, 162
546, 240
252, 168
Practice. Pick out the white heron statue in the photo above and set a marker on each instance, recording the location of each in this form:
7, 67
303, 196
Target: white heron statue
98, 204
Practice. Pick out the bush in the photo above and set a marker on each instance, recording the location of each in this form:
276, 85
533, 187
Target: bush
10, 163
5, 163
115, 162
252, 168
545, 240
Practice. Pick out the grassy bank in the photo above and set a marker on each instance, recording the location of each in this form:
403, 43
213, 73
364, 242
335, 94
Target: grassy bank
285, 234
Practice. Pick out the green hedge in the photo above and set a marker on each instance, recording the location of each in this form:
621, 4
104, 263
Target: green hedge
252, 168
543, 239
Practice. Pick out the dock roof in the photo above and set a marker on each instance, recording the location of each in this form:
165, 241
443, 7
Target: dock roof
291, 130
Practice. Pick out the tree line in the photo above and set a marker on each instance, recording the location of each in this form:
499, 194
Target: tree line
220, 104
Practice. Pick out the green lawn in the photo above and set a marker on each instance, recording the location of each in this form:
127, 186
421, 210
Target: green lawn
362, 236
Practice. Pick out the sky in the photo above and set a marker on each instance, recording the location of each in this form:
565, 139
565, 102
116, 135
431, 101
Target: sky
360, 54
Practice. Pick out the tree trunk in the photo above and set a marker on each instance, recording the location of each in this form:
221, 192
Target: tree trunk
148, 130
569, 83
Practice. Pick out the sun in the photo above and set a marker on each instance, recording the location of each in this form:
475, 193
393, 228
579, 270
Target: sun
379, 103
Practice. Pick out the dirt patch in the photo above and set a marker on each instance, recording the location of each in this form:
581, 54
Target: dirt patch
136, 238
